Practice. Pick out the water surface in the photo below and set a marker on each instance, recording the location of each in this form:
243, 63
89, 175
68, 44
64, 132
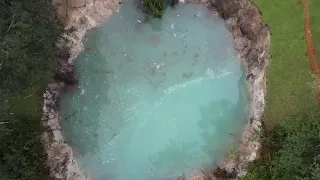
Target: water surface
155, 99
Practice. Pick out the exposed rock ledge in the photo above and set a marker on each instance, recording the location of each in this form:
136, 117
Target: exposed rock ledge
251, 42
82, 15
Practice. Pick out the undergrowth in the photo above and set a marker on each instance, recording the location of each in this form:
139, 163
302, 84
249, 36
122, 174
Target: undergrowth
290, 151
29, 31
155, 8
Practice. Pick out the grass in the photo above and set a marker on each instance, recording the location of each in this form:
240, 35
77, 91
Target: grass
290, 144
290, 151
291, 84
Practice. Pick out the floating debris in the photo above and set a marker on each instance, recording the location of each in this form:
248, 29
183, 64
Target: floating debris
172, 25
82, 92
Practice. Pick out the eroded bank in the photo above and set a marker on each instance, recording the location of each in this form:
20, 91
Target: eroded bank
251, 43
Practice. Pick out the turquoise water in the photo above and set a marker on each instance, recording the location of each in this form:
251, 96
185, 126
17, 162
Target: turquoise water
156, 99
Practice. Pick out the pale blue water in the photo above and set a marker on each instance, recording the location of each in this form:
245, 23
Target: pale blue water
155, 99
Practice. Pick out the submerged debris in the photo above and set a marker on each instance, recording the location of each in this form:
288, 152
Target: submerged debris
187, 75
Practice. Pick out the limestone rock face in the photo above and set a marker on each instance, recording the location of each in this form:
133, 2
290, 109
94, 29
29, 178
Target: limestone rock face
252, 44
252, 41
65, 71
77, 3
81, 15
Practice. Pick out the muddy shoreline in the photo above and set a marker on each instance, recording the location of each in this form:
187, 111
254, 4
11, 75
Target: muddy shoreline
252, 41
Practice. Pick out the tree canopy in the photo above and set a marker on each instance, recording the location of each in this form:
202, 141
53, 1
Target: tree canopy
290, 151
29, 31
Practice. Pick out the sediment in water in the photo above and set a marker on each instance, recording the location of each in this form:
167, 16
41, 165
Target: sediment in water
252, 40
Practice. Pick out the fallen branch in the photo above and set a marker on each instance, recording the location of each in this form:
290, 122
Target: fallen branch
1, 123
230, 134
28, 96
10, 24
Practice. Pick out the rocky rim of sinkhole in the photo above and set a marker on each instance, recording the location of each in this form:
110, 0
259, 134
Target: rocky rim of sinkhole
252, 44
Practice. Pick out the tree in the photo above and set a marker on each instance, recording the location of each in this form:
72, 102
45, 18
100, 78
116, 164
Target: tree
29, 31
290, 151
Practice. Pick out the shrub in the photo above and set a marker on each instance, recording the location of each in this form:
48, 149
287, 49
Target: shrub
290, 152
29, 31
155, 8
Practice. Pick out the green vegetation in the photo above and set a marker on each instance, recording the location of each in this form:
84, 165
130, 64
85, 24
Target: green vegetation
290, 151
290, 146
155, 7
291, 84
28, 33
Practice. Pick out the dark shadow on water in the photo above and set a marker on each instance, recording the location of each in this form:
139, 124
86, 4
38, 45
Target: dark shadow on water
231, 118
81, 111
170, 157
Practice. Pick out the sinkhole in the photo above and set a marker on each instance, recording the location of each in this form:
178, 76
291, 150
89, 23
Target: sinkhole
157, 98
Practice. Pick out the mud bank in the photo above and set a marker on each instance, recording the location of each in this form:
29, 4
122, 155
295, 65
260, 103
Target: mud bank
251, 43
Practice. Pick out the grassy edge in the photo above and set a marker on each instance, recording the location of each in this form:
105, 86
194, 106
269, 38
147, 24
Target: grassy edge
291, 96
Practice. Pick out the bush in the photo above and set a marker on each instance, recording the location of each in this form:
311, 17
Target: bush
29, 31
155, 8
290, 151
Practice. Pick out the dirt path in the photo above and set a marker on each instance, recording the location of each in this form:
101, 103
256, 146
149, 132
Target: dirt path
311, 52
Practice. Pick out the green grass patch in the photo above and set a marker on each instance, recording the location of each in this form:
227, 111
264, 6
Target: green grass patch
28, 106
290, 143
291, 84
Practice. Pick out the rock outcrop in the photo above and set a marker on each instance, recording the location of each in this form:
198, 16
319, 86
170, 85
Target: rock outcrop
252, 44
79, 16
252, 41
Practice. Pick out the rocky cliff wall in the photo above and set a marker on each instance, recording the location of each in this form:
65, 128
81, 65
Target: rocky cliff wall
252, 42
81, 15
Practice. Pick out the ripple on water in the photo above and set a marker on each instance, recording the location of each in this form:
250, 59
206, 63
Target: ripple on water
155, 99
